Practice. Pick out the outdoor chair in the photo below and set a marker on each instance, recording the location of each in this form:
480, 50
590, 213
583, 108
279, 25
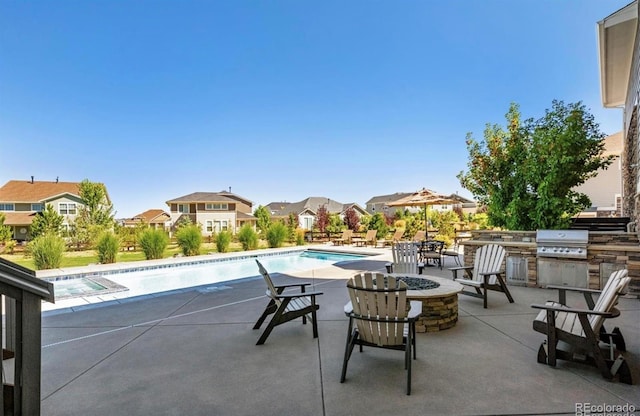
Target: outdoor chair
380, 316
405, 259
369, 238
432, 252
345, 239
397, 236
419, 236
287, 306
452, 252
578, 334
485, 274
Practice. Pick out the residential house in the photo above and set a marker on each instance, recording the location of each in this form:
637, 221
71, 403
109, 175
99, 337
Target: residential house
619, 60
379, 203
605, 189
213, 211
306, 210
20, 201
154, 218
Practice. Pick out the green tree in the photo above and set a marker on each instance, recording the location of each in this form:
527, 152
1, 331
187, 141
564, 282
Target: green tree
526, 175
264, 218
378, 222
95, 216
5, 230
335, 223
292, 224
46, 221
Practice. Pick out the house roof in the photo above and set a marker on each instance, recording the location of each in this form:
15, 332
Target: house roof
616, 39
245, 216
152, 215
388, 198
613, 144
210, 197
18, 218
311, 204
37, 191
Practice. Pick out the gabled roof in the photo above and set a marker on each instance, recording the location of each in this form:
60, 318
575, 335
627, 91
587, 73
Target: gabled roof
311, 205
152, 215
18, 218
36, 191
209, 197
388, 198
613, 145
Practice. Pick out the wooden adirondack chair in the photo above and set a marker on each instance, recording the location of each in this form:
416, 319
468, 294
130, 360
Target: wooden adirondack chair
396, 237
286, 307
405, 259
582, 330
380, 316
485, 274
345, 239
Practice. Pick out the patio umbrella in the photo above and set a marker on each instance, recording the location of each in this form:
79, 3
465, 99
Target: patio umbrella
423, 197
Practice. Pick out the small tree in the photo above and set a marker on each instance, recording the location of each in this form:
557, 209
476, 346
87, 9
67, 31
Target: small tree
292, 224
264, 218
189, 239
276, 234
248, 237
153, 243
335, 223
322, 218
47, 250
379, 223
5, 230
351, 219
95, 216
47, 221
107, 247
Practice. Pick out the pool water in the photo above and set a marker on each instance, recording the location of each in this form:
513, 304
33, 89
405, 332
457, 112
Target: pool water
167, 279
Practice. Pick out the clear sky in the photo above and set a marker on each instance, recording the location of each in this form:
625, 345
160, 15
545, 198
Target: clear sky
279, 100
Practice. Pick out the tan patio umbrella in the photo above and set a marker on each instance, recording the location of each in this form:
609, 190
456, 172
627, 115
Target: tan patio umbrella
423, 197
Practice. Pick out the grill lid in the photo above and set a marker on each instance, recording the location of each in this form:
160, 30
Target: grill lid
569, 238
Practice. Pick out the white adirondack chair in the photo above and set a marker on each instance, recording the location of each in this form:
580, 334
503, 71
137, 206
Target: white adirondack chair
405, 259
582, 330
485, 274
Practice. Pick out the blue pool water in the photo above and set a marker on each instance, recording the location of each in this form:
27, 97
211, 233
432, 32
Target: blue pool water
162, 280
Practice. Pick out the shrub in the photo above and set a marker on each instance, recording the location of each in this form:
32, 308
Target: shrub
107, 247
276, 234
153, 243
248, 237
223, 239
300, 233
189, 238
47, 251
10, 246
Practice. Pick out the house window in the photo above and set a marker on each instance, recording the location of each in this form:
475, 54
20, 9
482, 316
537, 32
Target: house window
216, 207
222, 225
37, 207
183, 208
209, 226
67, 208
308, 223
7, 207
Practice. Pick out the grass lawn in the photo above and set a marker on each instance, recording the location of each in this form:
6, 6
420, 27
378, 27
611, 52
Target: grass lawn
84, 258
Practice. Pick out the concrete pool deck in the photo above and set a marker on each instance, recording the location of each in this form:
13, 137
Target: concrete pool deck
194, 353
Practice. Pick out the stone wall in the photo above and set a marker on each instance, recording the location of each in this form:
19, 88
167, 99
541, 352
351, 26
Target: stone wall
606, 251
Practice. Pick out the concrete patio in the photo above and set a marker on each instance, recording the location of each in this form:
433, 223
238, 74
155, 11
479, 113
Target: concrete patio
194, 353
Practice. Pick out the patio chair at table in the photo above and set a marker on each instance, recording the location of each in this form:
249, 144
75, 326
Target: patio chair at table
380, 316
577, 334
485, 274
452, 252
419, 236
432, 252
405, 259
287, 306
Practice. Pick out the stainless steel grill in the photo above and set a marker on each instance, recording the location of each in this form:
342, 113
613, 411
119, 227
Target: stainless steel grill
566, 244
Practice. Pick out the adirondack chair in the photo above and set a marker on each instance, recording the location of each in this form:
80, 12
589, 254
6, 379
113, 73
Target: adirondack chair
397, 236
419, 236
405, 259
369, 238
582, 330
380, 316
345, 239
285, 306
485, 274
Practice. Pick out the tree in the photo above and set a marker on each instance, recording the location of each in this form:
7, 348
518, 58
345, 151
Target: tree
351, 219
379, 223
322, 218
264, 218
5, 230
526, 175
97, 214
46, 221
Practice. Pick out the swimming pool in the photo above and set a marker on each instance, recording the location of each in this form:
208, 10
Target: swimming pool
100, 288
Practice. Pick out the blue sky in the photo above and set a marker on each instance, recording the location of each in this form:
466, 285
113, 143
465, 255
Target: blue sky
279, 100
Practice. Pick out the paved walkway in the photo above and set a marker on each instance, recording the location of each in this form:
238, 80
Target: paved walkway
194, 353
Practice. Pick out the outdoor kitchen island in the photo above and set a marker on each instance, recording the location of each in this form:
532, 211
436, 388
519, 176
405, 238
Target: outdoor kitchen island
439, 299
